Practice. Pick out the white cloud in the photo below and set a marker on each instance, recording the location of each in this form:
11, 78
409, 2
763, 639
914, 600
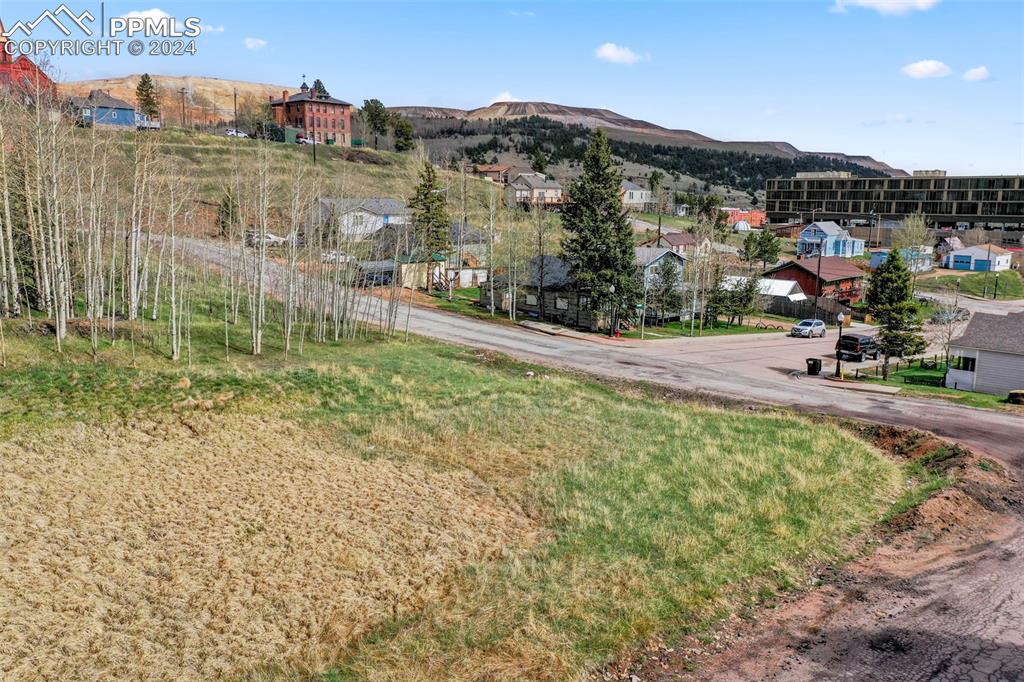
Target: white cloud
155, 13
504, 96
254, 43
886, 6
516, 13
210, 28
619, 54
978, 73
926, 68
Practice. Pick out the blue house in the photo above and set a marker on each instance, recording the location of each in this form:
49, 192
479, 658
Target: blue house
101, 109
827, 238
918, 259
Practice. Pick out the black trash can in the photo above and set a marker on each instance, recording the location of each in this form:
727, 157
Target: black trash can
813, 366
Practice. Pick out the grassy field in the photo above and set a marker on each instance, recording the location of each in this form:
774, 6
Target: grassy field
1011, 287
677, 329
387, 510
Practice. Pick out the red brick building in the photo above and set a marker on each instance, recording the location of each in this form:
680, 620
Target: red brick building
839, 279
20, 73
754, 217
321, 117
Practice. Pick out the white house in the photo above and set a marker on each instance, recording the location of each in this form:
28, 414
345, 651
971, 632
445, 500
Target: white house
360, 218
919, 259
987, 257
989, 356
634, 196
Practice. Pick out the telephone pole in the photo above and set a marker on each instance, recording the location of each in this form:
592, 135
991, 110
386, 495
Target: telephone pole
234, 122
182, 93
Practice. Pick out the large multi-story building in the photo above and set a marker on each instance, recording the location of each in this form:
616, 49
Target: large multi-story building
991, 202
321, 117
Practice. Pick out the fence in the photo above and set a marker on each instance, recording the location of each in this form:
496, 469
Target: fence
827, 309
934, 362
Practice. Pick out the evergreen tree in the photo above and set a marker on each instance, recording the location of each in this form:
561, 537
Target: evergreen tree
145, 96
431, 219
375, 118
599, 241
891, 303
668, 288
403, 133
768, 247
320, 89
538, 163
750, 252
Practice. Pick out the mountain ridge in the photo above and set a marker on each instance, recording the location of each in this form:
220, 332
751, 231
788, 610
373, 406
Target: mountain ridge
638, 130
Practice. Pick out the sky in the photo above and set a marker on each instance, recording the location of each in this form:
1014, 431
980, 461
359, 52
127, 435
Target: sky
919, 84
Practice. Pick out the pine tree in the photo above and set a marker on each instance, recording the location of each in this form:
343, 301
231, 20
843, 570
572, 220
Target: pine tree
768, 247
599, 241
145, 96
430, 216
320, 89
891, 303
375, 118
403, 133
668, 289
538, 163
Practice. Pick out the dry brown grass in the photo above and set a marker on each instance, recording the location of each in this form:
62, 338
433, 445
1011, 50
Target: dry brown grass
203, 546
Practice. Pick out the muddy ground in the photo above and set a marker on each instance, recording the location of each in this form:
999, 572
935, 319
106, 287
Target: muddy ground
936, 595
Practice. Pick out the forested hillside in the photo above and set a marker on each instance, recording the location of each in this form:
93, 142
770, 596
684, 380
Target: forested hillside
558, 142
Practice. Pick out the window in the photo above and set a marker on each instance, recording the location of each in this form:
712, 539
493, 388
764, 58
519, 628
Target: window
561, 303
531, 299
964, 364
584, 301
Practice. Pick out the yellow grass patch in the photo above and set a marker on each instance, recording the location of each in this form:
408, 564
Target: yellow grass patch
211, 545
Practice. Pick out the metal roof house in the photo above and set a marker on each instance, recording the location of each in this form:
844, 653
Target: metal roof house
989, 355
360, 217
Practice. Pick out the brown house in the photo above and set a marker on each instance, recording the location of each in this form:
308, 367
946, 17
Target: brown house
679, 242
501, 173
828, 277
321, 117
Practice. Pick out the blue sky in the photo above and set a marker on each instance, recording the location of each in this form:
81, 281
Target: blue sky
887, 78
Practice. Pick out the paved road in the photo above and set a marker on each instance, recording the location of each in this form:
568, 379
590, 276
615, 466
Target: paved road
977, 305
751, 367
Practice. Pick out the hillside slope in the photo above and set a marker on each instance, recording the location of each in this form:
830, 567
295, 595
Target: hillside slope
632, 130
210, 99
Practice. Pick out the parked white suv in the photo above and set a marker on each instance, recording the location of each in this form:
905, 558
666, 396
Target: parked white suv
231, 132
808, 329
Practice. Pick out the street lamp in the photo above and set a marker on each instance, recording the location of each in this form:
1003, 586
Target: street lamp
839, 352
612, 320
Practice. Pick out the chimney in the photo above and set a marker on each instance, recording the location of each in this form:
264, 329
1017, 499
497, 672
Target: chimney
284, 95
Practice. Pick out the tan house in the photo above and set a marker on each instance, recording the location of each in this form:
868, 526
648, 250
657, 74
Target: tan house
530, 189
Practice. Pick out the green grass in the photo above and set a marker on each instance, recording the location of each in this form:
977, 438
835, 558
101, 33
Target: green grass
969, 398
653, 518
682, 329
464, 302
1011, 287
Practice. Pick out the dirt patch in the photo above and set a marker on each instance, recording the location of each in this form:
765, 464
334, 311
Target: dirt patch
201, 546
941, 570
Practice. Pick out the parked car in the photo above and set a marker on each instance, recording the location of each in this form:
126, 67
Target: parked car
252, 238
305, 140
947, 316
808, 329
231, 132
857, 347
335, 257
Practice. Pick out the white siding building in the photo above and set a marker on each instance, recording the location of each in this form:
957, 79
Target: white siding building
989, 356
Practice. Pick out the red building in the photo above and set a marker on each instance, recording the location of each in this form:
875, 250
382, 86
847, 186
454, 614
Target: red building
321, 117
834, 278
753, 216
20, 73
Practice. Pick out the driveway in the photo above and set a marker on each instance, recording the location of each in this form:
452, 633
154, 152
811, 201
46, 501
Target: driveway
977, 305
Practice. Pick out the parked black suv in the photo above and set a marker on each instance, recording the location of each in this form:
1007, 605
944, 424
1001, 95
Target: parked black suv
856, 347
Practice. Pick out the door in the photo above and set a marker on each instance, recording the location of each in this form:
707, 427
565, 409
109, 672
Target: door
961, 262
982, 265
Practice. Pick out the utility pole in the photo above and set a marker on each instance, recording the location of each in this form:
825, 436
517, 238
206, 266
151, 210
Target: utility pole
988, 269
234, 122
817, 284
182, 92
